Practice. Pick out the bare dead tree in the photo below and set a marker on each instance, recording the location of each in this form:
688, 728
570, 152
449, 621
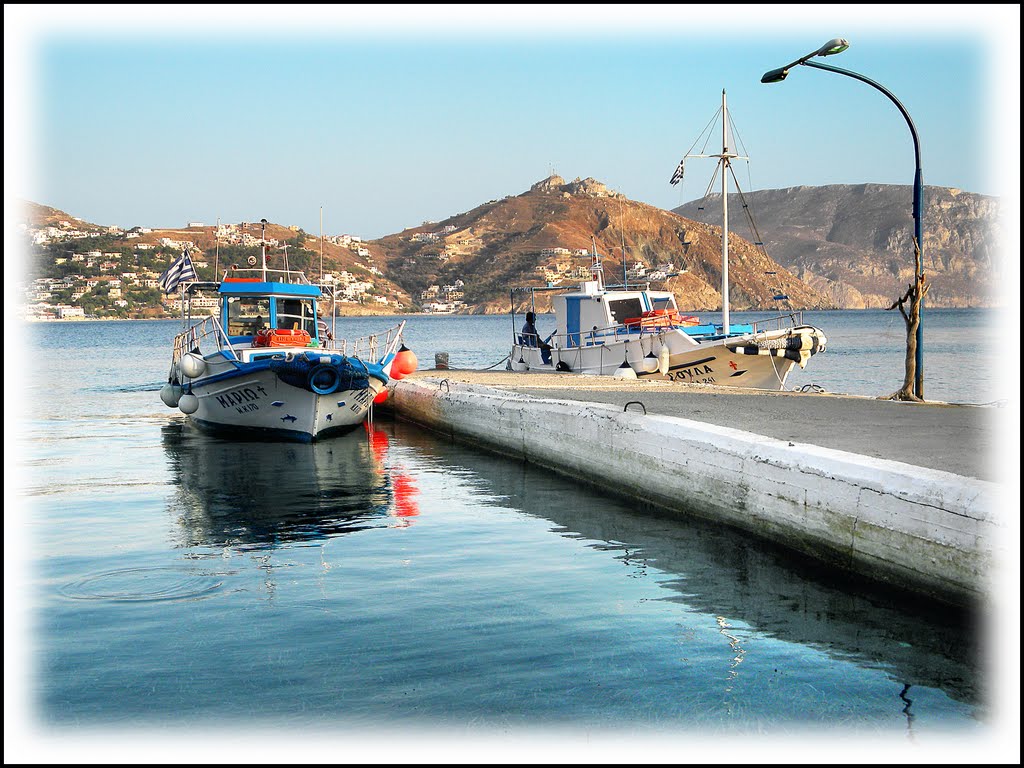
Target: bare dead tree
915, 293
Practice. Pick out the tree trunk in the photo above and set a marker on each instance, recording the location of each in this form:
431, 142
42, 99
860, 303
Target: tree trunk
915, 293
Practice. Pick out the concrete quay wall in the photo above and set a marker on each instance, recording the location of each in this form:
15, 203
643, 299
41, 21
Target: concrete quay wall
923, 530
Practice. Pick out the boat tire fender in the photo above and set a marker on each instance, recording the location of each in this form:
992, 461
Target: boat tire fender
324, 379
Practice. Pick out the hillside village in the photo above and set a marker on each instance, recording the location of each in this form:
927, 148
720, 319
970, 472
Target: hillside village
108, 272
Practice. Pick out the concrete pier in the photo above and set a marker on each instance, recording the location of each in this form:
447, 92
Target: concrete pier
898, 492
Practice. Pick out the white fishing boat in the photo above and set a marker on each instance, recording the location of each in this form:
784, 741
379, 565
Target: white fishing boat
266, 366
641, 333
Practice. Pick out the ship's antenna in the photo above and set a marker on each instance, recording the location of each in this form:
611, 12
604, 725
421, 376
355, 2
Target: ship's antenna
622, 235
263, 237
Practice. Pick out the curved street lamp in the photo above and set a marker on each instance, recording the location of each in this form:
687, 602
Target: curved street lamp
838, 45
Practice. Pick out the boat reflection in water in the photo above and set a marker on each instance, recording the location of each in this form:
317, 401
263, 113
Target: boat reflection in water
711, 570
253, 494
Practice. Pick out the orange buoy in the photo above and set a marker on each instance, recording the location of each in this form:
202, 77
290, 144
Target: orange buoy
405, 361
380, 397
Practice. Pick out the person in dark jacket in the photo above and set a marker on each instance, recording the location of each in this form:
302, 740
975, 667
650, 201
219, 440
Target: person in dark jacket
532, 339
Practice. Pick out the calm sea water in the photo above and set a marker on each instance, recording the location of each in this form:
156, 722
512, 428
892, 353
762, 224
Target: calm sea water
390, 582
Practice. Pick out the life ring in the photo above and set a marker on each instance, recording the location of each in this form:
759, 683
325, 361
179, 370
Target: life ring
323, 379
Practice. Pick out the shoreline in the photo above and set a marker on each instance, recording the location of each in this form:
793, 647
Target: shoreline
25, 319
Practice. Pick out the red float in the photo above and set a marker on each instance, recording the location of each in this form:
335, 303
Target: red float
405, 361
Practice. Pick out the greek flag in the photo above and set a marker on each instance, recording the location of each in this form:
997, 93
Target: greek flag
179, 272
678, 175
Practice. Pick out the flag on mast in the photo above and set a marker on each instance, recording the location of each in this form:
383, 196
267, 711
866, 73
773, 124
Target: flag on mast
678, 175
181, 271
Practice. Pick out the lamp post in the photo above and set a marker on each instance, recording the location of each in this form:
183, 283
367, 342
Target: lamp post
838, 45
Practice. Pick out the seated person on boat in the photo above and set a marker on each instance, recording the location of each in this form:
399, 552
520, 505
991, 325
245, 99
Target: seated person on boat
531, 338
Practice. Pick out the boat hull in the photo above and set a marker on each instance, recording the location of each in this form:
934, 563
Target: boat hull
757, 361
260, 404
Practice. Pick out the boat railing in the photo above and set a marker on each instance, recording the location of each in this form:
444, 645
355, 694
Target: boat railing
208, 330
593, 337
257, 274
779, 322
372, 347
209, 333
634, 331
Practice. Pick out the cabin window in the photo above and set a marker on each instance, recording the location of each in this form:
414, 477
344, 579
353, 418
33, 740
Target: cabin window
662, 302
625, 309
297, 314
247, 315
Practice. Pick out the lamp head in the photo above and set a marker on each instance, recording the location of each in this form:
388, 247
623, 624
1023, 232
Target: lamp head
775, 76
833, 46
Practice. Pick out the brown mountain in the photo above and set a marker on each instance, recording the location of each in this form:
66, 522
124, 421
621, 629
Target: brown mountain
854, 242
509, 242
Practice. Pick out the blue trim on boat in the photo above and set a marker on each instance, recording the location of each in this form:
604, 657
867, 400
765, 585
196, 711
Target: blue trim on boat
243, 369
232, 288
714, 332
270, 362
572, 320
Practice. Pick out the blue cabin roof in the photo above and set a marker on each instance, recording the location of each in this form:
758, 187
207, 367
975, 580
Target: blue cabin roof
259, 288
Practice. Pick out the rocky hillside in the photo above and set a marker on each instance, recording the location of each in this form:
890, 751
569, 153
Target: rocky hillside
546, 234
67, 247
853, 243
840, 246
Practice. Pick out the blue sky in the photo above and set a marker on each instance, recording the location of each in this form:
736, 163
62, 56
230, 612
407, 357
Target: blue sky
384, 118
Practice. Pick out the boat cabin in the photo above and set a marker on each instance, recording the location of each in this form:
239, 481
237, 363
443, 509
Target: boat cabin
591, 314
250, 307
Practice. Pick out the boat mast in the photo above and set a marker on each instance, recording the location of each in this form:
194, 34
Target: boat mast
263, 237
724, 160
622, 236
596, 270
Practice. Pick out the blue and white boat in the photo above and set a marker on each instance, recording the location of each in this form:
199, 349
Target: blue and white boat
265, 365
